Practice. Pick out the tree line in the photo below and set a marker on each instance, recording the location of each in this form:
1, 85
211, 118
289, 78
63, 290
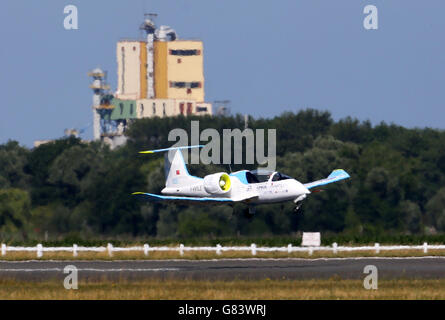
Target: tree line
70, 188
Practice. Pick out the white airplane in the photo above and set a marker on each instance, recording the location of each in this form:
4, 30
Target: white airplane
249, 187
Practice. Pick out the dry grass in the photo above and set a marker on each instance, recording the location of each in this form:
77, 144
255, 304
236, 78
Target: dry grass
196, 255
195, 290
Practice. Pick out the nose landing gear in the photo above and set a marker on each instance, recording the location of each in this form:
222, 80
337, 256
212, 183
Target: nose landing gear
297, 206
298, 202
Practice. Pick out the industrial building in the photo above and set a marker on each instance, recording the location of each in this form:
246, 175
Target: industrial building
159, 76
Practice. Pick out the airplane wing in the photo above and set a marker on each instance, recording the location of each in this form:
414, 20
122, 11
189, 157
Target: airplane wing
188, 200
335, 176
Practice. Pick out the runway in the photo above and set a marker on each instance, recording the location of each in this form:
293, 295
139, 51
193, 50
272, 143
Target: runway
228, 269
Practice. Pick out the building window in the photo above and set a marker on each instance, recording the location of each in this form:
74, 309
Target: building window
189, 91
163, 109
121, 106
142, 109
154, 108
188, 85
181, 108
179, 60
193, 52
201, 109
131, 108
189, 108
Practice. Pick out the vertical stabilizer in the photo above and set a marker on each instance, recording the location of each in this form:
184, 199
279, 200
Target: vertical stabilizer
175, 169
176, 173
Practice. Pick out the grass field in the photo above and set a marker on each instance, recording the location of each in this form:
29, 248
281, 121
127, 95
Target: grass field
194, 290
196, 255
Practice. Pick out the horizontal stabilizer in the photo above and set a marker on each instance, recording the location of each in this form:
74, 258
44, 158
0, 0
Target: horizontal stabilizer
170, 149
335, 176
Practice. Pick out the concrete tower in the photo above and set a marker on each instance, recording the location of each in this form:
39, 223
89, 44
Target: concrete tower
99, 87
149, 27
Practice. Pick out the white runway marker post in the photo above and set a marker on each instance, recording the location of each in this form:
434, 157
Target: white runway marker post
39, 250
425, 247
146, 247
377, 248
110, 249
74, 250
310, 250
334, 247
253, 249
3, 249
181, 249
289, 248
218, 249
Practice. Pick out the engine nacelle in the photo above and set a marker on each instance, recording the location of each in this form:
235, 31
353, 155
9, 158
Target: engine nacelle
217, 183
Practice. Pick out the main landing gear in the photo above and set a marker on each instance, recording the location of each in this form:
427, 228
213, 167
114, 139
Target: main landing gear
249, 212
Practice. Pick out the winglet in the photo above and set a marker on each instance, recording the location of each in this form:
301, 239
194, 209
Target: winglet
335, 176
168, 149
339, 174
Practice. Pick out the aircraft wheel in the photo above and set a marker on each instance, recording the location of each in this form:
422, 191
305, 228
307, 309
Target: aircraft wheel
297, 207
248, 213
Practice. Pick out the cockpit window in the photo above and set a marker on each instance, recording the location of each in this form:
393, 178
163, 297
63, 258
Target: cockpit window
279, 176
251, 178
256, 176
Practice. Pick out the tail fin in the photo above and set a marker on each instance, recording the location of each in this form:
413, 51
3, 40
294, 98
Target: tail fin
176, 173
175, 169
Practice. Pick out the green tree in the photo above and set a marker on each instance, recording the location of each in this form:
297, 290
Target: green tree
412, 216
53, 219
15, 208
13, 161
435, 211
73, 171
39, 164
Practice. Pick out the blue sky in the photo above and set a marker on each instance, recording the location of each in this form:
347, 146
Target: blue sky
265, 56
